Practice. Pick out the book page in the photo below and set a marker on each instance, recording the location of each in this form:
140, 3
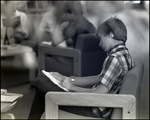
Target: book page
54, 80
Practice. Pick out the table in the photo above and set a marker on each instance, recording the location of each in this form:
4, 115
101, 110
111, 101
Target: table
20, 58
11, 50
6, 106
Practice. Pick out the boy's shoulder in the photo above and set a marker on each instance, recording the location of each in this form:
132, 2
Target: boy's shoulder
119, 53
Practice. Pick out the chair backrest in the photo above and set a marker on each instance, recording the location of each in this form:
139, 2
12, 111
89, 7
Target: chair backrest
92, 55
88, 43
87, 57
131, 85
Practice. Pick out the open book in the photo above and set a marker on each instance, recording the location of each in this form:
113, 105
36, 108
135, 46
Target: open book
54, 80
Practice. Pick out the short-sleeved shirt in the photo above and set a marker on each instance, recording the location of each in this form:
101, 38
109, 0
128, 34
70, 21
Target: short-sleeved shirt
115, 66
117, 63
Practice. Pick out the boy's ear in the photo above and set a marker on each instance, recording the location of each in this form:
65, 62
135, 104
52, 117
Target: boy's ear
111, 35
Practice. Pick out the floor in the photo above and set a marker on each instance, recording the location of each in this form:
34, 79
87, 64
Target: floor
21, 110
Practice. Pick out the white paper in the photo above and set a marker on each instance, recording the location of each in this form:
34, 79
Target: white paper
54, 80
8, 98
47, 42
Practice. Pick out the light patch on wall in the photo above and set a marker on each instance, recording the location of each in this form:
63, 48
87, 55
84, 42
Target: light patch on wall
133, 2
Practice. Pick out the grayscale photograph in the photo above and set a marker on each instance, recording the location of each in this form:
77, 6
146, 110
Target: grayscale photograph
74, 59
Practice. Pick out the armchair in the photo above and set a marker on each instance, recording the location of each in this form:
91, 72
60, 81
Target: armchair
126, 104
87, 57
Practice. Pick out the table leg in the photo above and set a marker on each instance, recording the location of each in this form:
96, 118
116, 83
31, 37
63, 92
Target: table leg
7, 116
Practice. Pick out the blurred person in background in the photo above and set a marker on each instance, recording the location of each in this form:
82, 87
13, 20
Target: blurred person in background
4, 14
60, 26
49, 19
17, 24
18, 28
63, 22
75, 25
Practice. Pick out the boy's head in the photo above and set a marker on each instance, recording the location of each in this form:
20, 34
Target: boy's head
111, 32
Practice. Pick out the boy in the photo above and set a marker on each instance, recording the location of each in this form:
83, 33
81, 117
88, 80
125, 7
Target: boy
112, 35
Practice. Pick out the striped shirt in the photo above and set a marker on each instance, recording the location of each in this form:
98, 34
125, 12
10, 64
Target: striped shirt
115, 66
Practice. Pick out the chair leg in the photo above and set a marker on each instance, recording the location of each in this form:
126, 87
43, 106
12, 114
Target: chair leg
7, 116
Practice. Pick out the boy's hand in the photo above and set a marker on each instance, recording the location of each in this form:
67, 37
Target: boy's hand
67, 83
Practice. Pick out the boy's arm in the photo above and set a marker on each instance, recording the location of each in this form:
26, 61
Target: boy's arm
98, 89
85, 81
78, 81
105, 79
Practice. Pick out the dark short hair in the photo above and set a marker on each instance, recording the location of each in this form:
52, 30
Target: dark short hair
115, 26
74, 6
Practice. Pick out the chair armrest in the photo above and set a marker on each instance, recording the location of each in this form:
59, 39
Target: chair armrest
66, 52
131, 85
127, 102
134, 76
